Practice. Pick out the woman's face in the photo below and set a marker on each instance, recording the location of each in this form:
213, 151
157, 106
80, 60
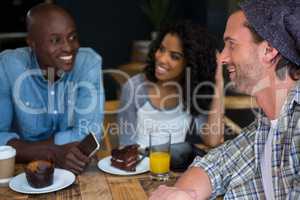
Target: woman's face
169, 59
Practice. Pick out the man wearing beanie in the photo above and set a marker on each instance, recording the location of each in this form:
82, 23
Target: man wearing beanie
262, 56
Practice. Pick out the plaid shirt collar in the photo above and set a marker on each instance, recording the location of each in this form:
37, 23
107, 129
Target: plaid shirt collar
281, 135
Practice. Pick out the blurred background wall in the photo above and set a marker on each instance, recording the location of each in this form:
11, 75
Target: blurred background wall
111, 27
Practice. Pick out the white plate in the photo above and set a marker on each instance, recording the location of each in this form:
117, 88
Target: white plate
62, 178
105, 165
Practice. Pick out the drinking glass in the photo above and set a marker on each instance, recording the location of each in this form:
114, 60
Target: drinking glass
160, 156
7, 164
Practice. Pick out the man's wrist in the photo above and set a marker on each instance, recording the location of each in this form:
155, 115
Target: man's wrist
12, 142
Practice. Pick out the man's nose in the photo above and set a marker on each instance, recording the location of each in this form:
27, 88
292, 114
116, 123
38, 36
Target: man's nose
67, 46
224, 57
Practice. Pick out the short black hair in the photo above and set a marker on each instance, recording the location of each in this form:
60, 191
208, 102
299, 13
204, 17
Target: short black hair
41, 11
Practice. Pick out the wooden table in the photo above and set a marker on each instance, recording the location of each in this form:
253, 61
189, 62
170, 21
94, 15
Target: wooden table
95, 184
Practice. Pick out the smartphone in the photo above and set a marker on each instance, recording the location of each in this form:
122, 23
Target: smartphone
89, 145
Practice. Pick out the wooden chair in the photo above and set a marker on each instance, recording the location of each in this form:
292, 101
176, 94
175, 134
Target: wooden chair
110, 118
129, 69
237, 103
233, 103
112, 106
240, 102
122, 73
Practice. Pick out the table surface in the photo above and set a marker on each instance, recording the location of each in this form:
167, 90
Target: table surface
95, 184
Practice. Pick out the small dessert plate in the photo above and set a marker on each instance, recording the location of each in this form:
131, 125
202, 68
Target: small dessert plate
105, 165
62, 178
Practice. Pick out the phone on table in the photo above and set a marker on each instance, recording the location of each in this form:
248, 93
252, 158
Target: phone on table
89, 145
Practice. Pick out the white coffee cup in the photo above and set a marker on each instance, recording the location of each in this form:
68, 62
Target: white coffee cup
7, 164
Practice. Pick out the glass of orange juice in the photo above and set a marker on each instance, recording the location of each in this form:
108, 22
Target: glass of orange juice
160, 156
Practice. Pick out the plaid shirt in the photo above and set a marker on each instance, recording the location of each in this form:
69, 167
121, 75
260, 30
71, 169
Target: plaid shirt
234, 168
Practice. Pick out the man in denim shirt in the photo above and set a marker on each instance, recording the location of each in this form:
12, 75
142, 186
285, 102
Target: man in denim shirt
51, 92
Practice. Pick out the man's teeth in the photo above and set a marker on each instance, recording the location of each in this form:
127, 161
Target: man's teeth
231, 70
66, 57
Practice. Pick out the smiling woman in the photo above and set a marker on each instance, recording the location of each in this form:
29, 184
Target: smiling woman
167, 96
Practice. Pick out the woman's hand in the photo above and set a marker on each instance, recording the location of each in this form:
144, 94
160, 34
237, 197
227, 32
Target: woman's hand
213, 131
219, 75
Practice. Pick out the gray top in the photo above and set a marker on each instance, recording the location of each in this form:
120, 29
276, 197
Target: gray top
266, 163
134, 96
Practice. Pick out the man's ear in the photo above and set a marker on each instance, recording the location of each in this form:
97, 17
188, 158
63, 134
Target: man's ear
270, 54
30, 42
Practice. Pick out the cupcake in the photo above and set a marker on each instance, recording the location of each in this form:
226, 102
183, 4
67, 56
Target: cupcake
39, 173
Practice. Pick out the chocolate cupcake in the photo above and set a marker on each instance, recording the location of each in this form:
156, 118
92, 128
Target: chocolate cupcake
39, 173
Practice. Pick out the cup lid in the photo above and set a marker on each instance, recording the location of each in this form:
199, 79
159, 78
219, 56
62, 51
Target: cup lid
7, 152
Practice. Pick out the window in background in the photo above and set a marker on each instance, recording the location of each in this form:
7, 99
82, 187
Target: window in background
12, 20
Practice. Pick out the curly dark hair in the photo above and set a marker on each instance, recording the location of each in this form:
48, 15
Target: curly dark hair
199, 49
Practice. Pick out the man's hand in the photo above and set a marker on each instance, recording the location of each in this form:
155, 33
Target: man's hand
66, 156
172, 193
69, 157
28, 151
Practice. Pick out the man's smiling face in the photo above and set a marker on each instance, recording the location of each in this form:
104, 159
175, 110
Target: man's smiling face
53, 38
241, 54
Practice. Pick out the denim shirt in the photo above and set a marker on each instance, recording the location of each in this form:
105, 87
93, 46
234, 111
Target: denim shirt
33, 109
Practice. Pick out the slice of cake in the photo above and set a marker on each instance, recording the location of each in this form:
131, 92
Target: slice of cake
125, 158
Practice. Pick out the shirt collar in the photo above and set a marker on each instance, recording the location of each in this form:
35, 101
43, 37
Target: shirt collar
35, 65
294, 95
292, 99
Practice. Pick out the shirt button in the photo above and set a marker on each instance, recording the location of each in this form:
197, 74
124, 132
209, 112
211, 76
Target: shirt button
52, 92
27, 103
55, 112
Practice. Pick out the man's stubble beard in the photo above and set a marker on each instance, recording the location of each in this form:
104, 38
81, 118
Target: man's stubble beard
247, 79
